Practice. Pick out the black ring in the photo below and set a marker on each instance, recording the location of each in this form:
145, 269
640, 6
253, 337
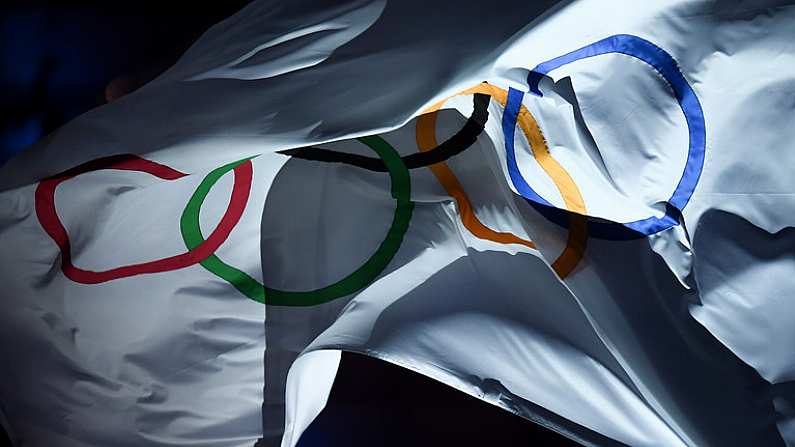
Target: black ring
459, 142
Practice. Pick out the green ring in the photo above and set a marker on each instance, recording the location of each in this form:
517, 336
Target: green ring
359, 279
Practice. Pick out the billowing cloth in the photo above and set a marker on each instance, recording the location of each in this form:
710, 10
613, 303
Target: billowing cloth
577, 211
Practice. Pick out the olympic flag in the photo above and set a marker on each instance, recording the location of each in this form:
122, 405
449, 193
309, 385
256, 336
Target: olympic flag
585, 222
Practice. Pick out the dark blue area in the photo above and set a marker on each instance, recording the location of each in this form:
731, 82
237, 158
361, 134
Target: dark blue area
374, 403
56, 60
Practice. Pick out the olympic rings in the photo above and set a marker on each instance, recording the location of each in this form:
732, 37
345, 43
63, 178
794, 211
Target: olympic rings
49, 220
360, 278
667, 67
574, 218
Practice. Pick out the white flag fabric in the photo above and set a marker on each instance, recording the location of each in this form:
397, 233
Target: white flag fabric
580, 212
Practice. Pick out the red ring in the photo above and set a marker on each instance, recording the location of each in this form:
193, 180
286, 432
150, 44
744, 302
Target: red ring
48, 218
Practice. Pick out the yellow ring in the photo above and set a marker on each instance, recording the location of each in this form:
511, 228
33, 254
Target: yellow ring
578, 229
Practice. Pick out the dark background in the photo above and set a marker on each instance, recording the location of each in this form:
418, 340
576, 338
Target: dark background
59, 60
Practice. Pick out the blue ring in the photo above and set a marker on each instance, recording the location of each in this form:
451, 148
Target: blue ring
667, 67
